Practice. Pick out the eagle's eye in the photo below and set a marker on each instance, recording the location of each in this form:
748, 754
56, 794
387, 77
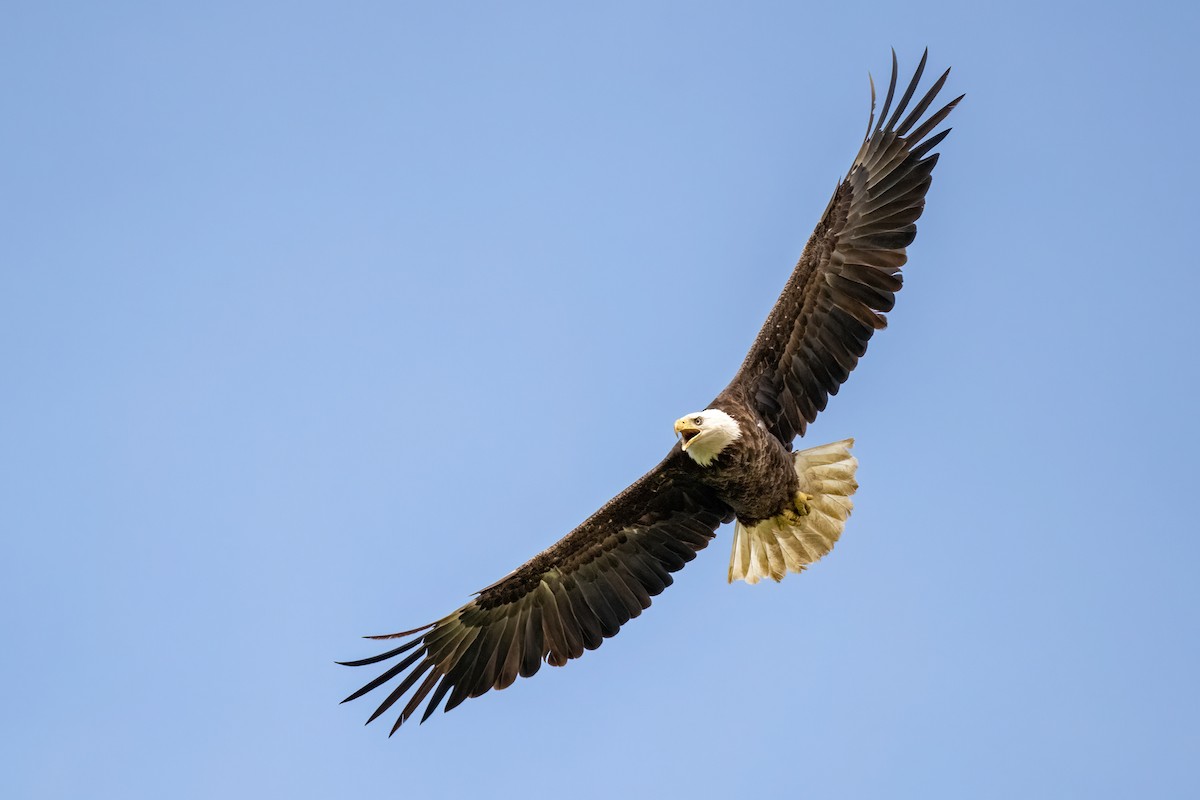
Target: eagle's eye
697, 420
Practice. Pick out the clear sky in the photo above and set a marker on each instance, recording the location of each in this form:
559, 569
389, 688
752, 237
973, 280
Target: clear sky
317, 317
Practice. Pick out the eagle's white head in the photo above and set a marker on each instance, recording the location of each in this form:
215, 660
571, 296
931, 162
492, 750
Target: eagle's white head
706, 433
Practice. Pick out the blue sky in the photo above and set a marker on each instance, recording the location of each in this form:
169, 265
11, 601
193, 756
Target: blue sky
315, 318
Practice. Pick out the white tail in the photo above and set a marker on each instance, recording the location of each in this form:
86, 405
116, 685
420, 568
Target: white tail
775, 547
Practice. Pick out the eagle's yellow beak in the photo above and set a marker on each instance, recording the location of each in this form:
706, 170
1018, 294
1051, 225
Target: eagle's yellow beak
687, 430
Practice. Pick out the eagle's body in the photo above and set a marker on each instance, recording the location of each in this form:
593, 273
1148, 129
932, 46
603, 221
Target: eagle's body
734, 460
754, 474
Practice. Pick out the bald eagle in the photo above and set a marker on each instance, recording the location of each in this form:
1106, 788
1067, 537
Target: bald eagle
733, 460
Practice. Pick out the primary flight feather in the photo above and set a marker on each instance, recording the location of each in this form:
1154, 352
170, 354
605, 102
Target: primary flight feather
733, 461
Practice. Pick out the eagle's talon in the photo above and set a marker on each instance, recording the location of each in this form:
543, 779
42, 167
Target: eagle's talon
801, 507
803, 504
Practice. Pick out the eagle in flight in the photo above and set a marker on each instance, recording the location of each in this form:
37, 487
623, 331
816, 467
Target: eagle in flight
733, 460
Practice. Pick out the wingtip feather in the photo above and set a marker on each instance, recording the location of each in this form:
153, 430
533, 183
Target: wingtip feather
380, 636
887, 103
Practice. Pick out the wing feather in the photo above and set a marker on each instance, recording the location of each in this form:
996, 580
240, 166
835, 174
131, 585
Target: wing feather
418, 696
562, 602
510, 660
557, 643
533, 649
849, 274
887, 104
442, 687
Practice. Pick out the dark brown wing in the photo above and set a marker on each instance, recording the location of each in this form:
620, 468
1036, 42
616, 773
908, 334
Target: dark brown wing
565, 600
849, 272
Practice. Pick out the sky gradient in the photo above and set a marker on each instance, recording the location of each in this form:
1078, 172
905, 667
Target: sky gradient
315, 318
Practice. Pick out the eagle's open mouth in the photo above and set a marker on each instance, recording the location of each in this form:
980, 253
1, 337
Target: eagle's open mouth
688, 435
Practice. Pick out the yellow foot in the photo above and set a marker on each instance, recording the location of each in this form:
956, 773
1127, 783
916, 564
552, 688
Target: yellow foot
801, 506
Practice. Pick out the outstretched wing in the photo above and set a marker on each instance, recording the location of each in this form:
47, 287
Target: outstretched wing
565, 600
849, 272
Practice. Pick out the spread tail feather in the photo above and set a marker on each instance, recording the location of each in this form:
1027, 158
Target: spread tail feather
775, 547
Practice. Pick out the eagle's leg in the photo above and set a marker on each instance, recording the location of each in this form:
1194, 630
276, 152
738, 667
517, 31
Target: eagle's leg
801, 506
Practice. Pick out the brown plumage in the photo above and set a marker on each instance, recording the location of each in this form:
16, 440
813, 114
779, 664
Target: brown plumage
580, 591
